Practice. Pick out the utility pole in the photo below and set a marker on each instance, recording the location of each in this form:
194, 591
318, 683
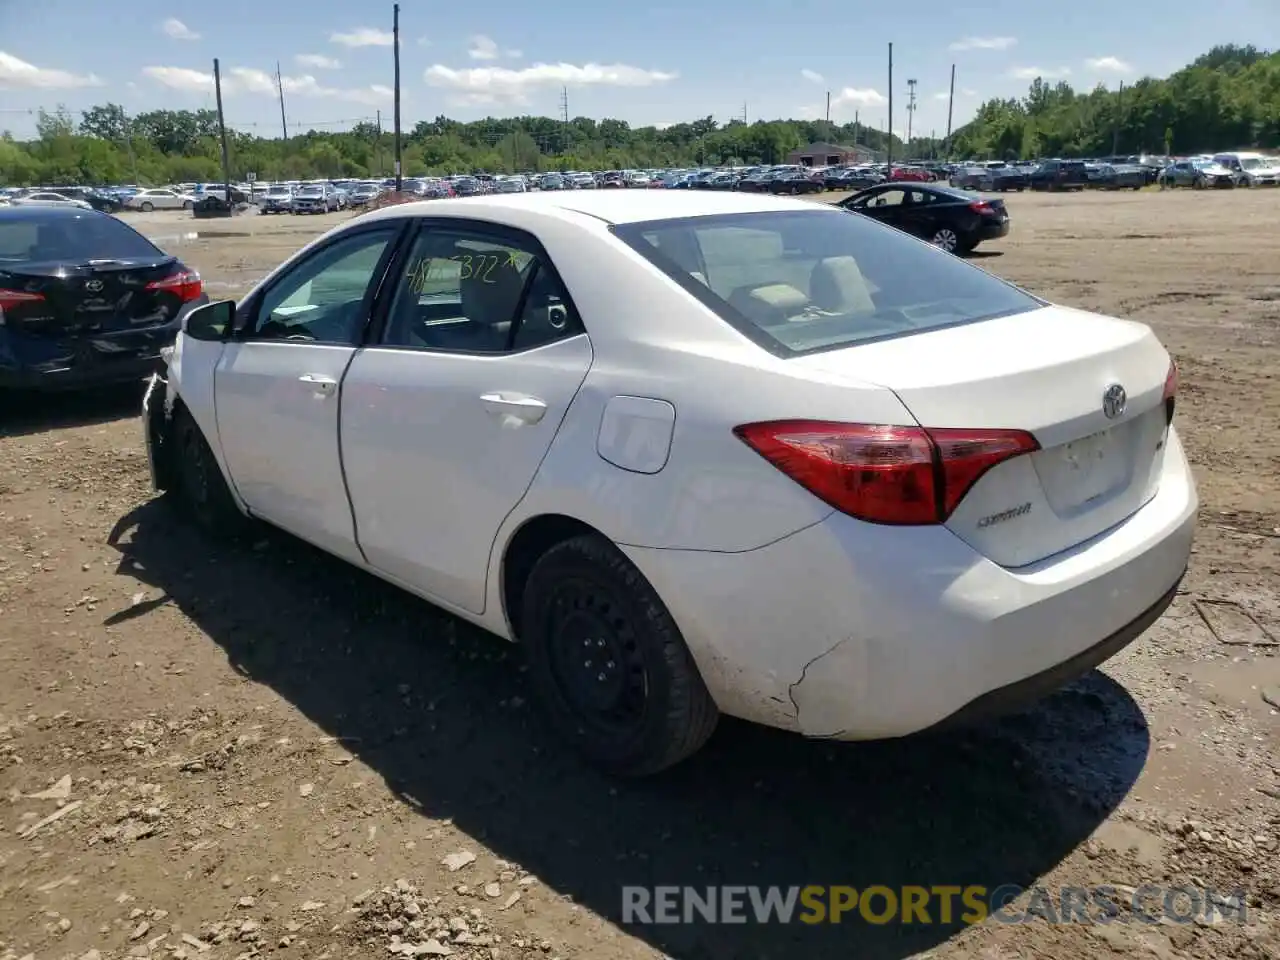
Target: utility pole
128, 142
222, 133
911, 112
395, 38
828, 106
382, 167
1115, 134
564, 120
889, 140
284, 126
744, 112
951, 102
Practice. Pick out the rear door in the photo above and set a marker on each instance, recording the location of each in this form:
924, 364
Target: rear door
447, 416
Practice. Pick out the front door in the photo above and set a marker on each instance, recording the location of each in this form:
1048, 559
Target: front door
448, 415
277, 388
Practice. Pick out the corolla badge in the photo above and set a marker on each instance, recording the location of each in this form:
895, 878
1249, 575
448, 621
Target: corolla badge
1114, 400
94, 286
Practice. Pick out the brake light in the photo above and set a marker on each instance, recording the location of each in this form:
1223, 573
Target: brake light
1170, 390
9, 299
981, 206
884, 474
186, 285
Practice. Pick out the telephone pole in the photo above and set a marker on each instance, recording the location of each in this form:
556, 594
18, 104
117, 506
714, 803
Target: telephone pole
395, 39
284, 126
889, 138
222, 133
564, 120
828, 106
1115, 134
951, 102
911, 111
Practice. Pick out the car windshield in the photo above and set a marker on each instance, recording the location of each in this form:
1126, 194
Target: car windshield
1252, 163
278, 191
311, 191
77, 239
797, 281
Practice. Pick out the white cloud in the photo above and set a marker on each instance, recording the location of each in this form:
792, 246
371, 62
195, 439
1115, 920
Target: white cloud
364, 37
1031, 73
856, 97
15, 73
984, 43
317, 61
487, 85
177, 30
486, 48
246, 80
945, 95
812, 76
1109, 64
424, 41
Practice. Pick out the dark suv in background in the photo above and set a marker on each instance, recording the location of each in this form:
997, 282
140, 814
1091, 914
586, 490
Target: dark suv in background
1059, 175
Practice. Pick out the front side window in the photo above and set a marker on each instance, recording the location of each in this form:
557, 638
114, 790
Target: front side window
798, 281
322, 299
470, 291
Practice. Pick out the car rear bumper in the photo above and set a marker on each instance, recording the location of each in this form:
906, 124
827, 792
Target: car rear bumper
993, 231
46, 365
854, 631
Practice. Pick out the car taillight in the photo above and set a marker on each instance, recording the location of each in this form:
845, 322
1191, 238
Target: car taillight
981, 206
185, 285
884, 474
1170, 391
10, 299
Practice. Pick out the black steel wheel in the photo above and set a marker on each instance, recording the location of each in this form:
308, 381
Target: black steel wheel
608, 663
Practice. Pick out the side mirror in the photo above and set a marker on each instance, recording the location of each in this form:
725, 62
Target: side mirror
211, 321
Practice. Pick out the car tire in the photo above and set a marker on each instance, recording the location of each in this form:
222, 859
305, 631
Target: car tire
201, 488
146, 206
608, 663
946, 239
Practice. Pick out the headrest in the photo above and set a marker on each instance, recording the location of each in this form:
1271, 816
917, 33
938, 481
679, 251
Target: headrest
490, 286
837, 286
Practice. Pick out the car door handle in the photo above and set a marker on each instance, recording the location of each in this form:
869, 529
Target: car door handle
319, 383
524, 408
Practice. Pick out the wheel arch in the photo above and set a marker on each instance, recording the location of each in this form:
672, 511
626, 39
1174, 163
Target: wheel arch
534, 537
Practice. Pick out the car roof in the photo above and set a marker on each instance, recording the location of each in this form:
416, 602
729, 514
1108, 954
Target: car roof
47, 213
610, 206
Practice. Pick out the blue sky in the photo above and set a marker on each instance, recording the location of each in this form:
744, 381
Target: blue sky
656, 63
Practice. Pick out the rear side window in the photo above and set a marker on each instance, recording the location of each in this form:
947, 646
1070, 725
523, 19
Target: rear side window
797, 282
90, 236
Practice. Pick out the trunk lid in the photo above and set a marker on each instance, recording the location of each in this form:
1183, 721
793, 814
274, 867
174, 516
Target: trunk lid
92, 298
1044, 372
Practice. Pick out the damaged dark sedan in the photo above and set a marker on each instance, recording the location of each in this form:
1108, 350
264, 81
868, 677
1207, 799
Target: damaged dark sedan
85, 299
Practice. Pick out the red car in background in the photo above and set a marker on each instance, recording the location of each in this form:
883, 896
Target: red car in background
911, 174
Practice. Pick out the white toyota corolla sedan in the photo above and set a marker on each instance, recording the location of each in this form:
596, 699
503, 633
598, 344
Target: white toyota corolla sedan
699, 453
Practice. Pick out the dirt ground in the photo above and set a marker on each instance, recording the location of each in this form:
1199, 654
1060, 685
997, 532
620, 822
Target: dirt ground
227, 753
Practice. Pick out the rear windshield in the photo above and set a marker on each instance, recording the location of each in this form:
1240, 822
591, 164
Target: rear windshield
796, 282
79, 239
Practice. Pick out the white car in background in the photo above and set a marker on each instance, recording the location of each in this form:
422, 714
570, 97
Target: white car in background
160, 198
47, 198
700, 453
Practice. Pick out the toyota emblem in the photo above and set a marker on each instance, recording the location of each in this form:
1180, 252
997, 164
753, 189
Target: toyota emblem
94, 286
1114, 400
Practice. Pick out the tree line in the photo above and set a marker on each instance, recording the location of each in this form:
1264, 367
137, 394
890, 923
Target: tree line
1227, 98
